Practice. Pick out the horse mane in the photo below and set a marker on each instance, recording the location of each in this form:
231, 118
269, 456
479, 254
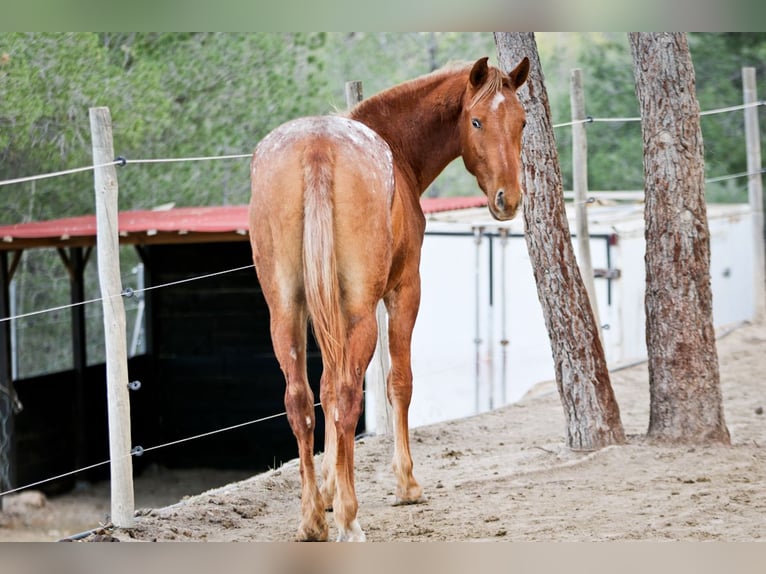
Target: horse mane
494, 83
392, 94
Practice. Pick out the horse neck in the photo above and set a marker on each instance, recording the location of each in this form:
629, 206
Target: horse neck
419, 121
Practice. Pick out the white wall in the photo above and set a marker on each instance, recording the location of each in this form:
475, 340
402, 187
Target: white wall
445, 356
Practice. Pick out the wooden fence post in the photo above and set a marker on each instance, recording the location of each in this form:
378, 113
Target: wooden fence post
380, 365
115, 338
755, 189
580, 188
354, 93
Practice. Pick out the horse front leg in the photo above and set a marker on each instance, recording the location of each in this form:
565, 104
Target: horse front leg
402, 306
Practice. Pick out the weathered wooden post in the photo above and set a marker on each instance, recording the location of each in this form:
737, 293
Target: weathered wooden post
354, 93
755, 188
580, 188
380, 364
115, 338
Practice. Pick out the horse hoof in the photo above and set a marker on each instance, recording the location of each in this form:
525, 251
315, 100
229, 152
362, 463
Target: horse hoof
407, 501
353, 533
317, 533
411, 495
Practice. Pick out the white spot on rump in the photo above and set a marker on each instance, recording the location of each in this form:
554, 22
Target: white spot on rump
341, 128
359, 139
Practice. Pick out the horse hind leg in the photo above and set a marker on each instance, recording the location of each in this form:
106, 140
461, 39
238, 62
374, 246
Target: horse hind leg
289, 339
348, 407
329, 479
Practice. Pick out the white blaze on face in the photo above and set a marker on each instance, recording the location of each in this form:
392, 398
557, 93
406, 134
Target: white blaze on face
497, 100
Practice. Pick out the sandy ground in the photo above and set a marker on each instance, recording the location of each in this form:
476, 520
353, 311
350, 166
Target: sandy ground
500, 476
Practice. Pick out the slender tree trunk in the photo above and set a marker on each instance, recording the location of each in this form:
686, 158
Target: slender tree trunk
685, 404
591, 411
685, 392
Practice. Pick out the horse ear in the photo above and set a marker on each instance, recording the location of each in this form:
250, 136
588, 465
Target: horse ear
479, 72
520, 73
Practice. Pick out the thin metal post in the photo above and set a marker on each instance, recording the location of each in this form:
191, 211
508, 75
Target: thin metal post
491, 327
477, 233
79, 349
503, 319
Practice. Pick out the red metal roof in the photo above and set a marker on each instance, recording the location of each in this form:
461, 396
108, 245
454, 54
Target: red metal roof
181, 224
439, 204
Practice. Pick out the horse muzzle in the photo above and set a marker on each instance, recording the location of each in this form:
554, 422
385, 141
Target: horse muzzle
503, 205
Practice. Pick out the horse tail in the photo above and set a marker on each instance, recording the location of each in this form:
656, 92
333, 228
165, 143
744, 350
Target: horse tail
320, 265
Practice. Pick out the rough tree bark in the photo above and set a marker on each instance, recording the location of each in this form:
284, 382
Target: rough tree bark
684, 383
591, 411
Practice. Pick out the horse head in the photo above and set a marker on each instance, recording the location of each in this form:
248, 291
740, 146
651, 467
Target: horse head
491, 125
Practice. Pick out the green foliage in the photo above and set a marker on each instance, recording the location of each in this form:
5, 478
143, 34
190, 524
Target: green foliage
170, 95
47, 84
614, 148
224, 92
615, 155
718, 62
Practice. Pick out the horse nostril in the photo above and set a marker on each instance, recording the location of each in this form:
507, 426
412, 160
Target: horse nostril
500, 199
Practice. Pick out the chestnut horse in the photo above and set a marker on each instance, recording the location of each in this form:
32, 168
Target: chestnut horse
336, 226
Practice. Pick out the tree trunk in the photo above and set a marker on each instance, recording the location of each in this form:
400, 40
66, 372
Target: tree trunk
591, 411
685, 404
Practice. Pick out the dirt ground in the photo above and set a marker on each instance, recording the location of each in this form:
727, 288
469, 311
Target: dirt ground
500, 476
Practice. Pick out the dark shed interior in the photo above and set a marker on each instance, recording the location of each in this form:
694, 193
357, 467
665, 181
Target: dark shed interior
208, 364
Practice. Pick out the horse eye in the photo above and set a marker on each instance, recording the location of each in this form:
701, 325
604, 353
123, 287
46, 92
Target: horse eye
476, 123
